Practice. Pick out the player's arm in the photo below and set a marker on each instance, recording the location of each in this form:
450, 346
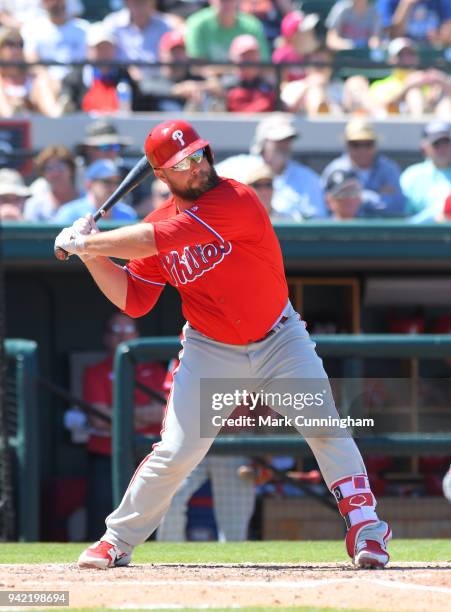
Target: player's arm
128, 242
111, 279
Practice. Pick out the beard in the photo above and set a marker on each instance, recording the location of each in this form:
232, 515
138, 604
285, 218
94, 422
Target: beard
205, 180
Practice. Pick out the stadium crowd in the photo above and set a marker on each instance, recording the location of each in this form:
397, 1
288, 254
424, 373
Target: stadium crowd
273, 56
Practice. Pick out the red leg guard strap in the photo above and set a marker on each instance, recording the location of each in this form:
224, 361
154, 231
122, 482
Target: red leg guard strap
353, 502
353, 534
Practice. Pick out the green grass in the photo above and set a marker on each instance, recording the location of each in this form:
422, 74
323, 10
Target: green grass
242, 552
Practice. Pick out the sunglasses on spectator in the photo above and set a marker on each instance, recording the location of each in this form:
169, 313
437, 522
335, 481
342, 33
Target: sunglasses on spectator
116, 147
57, 165
185, 164
361, 144
122, 329
163, 194
110, 182
18, 44
441, 141
262, 185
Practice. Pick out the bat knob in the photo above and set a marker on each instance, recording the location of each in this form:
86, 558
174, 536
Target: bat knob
61, 254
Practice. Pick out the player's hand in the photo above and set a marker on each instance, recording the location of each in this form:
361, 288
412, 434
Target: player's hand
70, 241
85, 225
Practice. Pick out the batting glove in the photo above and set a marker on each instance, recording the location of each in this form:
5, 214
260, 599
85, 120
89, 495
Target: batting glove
70, 241
85, 225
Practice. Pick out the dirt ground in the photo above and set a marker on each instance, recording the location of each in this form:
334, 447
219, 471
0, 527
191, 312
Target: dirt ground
402, 586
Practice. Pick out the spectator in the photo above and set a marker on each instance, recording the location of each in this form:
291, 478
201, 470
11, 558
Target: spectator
97, 390
159, 194
137, 30
260, 179
297, 189
102, 141
421, 20
427, 185
13, 193
55, 37
353, 24
102, 178
343, 193
177, 87
269, 12
298, 39
14, 13
316, 93
94, 88
410, 91
23, 90
378, 174
249, 90
55, 165
210, 31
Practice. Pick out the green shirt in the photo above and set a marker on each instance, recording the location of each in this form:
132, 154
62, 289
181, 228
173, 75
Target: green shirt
426, 186
207, 39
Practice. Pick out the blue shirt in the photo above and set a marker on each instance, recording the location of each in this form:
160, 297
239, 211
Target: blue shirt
70, 212
423, 17
298, 193
426, 188
381, 184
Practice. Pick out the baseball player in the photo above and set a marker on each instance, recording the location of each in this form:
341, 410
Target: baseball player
214, 242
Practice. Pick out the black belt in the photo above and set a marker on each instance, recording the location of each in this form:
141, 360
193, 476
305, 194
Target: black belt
272, 331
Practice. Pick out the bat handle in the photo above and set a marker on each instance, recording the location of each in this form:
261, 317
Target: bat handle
61, 254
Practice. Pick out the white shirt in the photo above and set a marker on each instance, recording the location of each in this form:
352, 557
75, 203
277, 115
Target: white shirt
64, 43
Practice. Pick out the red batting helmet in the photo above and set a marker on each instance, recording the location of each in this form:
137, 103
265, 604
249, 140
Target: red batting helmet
171, 141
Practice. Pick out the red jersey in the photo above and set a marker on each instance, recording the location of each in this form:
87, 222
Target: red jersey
223, 256
98, 389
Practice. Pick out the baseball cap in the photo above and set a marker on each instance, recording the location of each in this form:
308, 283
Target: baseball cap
258, 173
170, 40
241, 44
102, 169
339, 180
12, 183
103, 132
398, 44
435, 130
98, 33
296, 21
277, 127
359, 129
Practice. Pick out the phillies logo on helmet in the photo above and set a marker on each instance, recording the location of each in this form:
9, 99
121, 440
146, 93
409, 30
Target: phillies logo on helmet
178, 135
194, 261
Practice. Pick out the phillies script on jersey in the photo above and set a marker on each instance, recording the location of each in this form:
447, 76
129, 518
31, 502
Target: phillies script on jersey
223, 257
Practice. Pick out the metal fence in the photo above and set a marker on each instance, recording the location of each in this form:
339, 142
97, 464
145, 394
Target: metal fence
352, 349
19, 450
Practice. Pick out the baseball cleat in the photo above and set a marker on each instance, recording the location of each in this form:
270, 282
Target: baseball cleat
370, 555
102, 555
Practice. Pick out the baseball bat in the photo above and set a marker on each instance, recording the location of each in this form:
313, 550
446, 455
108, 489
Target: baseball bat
137, 174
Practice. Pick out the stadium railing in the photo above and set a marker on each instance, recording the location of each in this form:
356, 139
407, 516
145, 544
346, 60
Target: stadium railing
21, 454
351, 348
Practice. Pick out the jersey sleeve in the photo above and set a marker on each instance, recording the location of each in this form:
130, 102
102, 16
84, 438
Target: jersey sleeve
230, 213
144, 286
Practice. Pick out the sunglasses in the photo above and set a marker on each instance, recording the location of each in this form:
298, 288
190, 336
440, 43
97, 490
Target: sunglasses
263, 185
185, 164
17, 44
441, 141
109, 182
361, 144
122, 329
109, 147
